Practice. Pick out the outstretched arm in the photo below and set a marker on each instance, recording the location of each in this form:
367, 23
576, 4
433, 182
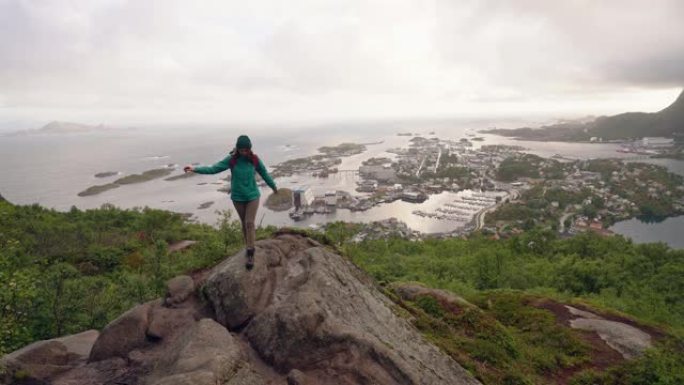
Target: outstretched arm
261, 169
219, 166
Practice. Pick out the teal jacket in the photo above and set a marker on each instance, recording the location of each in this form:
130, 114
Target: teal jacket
243, 187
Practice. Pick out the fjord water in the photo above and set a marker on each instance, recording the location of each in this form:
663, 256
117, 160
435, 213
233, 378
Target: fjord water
51, 169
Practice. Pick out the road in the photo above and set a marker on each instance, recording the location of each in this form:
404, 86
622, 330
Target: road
420, 167
480, 216
561, 224
439, 155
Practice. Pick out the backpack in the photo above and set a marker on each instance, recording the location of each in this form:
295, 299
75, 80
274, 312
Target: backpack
234, 159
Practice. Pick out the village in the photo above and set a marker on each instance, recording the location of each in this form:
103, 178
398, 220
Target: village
509, 190
589, 195
412, 174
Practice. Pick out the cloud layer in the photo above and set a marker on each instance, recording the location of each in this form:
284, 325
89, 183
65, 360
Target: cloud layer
162, 61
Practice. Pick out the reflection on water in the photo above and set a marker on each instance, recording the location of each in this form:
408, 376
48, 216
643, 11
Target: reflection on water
52, 169
669, 231
398, 209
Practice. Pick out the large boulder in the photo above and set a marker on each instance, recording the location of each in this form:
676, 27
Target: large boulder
308, 309
123, 334
178, 289
626, 339
44, 359
206, 354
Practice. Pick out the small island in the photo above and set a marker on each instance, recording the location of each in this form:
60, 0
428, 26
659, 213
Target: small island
106, 174
343, 149
184, 175
94, 190
129, 179
145, 176
321, 164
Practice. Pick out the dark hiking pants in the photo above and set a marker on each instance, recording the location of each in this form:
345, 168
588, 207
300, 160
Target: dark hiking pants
247, 213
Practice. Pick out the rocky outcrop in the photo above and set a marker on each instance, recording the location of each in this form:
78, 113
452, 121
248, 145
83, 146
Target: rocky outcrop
303, 316
311, 313
625, 339
412, 291
123, 334
45, 359
178, 290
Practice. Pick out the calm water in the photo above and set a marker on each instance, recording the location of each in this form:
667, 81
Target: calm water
52, 169
669, 231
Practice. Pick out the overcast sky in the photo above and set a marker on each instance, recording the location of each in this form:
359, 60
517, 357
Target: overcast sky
140, 62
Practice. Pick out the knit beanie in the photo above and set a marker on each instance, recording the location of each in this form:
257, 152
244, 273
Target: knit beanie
243, 142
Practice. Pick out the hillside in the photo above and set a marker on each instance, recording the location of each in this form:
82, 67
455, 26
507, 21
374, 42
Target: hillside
668, 122
304, 315
532, 309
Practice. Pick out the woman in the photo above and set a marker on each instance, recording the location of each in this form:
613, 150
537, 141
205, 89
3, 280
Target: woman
244, 192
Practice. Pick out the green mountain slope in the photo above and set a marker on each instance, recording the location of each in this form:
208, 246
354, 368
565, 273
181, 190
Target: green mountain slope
668, 123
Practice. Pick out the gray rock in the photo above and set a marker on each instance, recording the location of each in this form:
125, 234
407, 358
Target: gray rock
304, 307
39, 360
164, 322
43, 360
81, 343
302, 310
582, 313
297, 377
626, 339
206, 354
94, 373
178, 289
411, 291
247, 376
122, 335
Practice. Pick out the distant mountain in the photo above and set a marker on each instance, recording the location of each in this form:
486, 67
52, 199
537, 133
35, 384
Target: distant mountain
668, 122
57, 127
62, 127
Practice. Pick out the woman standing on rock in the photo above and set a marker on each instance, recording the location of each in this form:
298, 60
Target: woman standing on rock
244, 192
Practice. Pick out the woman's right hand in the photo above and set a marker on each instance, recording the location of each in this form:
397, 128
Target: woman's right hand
188, 169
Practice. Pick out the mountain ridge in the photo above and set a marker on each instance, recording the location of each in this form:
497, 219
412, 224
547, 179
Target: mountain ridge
668, 122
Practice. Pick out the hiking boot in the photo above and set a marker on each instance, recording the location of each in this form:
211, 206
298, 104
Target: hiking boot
250, 259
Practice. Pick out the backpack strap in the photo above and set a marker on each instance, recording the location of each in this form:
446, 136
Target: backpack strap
234, 159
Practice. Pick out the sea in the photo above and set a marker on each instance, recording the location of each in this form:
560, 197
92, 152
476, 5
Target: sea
51, 169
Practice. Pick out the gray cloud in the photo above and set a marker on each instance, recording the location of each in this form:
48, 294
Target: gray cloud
154, 60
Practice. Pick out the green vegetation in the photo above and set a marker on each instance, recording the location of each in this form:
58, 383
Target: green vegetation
608, 190
529, 166
534, 207
665, 123
342, 149
641, 280
654, 190
508, 340
503, 338
65, 272
50, 259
